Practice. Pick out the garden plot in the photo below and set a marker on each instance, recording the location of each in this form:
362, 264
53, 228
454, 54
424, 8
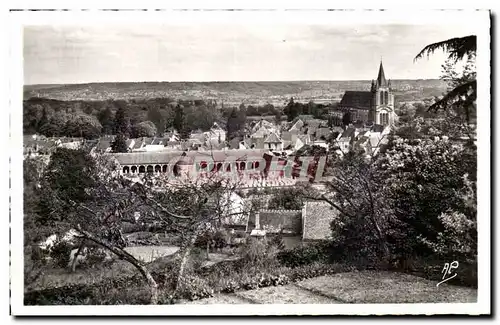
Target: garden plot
289, 294
387, 287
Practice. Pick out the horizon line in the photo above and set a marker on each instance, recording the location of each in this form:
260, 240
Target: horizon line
216, 81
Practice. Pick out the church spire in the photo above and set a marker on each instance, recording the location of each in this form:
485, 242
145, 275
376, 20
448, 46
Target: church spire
381, 81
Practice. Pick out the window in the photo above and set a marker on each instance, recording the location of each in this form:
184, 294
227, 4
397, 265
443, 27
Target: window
384, 118
386, 97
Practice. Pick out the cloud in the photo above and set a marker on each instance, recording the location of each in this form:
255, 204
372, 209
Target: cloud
68, 54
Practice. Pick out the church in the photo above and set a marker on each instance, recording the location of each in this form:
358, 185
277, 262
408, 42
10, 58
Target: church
372, 107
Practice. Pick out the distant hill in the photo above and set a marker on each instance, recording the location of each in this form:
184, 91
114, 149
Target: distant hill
230, 93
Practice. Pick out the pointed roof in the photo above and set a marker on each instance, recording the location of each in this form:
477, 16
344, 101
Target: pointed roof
272, 138
381, 81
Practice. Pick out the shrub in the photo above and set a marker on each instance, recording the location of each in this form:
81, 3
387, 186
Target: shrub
94, 256
61, 253
193, 288
254, 251
304, 255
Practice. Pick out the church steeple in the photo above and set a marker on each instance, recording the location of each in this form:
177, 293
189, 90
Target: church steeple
381, 81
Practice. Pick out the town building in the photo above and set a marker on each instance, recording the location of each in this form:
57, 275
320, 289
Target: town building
375, 106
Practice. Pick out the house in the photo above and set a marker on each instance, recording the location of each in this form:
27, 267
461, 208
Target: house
312, 223
346, 139
273, 142
216, 132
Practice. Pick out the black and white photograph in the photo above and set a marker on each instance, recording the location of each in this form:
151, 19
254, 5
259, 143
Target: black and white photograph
250, 162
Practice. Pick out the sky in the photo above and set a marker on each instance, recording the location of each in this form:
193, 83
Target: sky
136, 53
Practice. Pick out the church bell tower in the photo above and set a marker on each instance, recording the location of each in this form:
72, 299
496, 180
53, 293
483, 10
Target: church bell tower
382, 111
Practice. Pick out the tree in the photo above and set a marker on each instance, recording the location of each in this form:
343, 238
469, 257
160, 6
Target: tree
288, 199
354, 191
464, 93
122, 123
143, 129
236, 123
424, 179
120, 144
158, 120
179, 122
83, 125
106, 119
88, 196
292, 110
193, 207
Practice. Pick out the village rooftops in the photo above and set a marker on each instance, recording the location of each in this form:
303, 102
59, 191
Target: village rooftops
272, 138
164, 157
348, 133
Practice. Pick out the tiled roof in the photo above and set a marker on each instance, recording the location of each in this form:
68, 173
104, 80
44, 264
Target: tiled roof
297, 126
272, 138
317, 217
323, 132
357, 99
348, 133
286, 136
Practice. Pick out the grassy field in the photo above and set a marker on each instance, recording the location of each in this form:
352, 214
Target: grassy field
353, 287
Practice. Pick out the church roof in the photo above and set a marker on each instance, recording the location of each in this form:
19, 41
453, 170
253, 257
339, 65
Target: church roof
357, 99
381, 81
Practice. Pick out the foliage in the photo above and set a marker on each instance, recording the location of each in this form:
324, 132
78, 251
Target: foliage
60, 254
49, 117
288, 199
158, 118
105, 117
457, 48
179, 122
84, 126
236, 123
305, 255
143, 129
463, 95
120, 144
254, 251
122, 122
66, 181
425, 178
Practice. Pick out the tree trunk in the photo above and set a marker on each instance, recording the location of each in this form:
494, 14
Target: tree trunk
184, 260
80, 248
129, 258
382, 240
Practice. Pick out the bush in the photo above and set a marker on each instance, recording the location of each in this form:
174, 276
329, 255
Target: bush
254, 251
93, 257
305, 255
193, 288
61, 253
